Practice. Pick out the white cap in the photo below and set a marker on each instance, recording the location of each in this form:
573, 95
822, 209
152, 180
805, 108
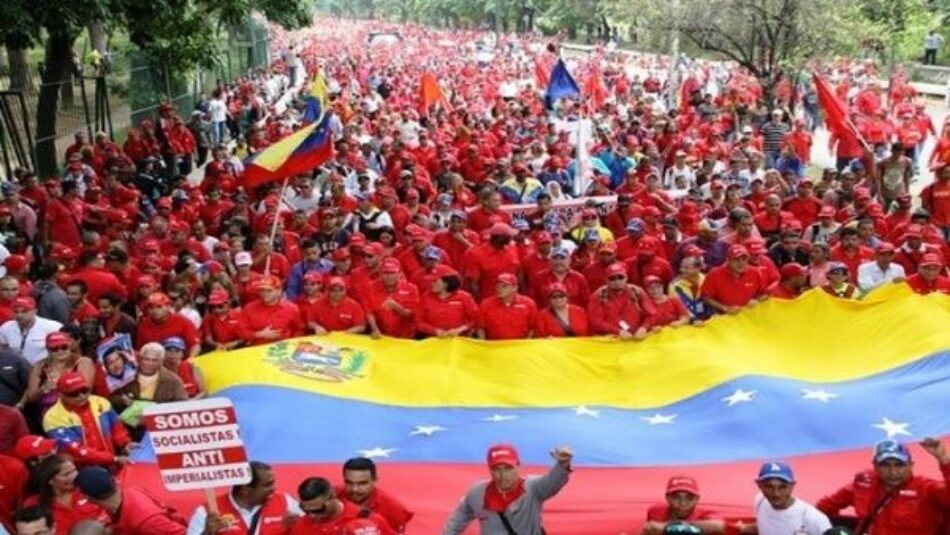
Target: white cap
243, 259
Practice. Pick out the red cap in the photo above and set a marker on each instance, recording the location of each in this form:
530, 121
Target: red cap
502, 454
24, 302
220, 297
607, 247
755, 246
647, 244
269, 282
737, 251
589, 212
616, 268
157, 299
556, 287
693, 250
793, 269
147, 281
16, 262
542, 237
340, 254
826, 211
32, 446
390, 265
313, 276
412, 194
682, 484
336, 281
57, 339
652, 279
807, 183
5, 210
373, 249
71, 382
507, 278
164, 202
884, 247
357, 240
502, 229
716, 184
931, 259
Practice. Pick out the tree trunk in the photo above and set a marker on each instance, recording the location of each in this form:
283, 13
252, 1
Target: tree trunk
56, 73
98, 36
19, 69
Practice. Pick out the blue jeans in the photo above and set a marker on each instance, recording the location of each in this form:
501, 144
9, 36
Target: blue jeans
219, 131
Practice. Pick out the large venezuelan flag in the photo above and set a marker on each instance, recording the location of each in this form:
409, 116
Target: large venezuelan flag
301, 152
816, 381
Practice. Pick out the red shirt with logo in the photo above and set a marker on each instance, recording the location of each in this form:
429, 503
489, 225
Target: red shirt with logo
508, 321
733, 289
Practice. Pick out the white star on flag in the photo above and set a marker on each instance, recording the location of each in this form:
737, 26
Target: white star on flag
658, 419
584, 411
893, 428
427, 430
739, 396
376, 452
818, 395
500, 418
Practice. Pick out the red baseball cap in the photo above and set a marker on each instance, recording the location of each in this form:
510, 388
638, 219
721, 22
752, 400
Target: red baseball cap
502, 454
555, 288
682, 484
390, 265
220, 297
755, 246
270, 282
313, 276
502, 229
16, 262
158, 299
57, 339
336, 281
793, 269
884, 247
339, 254
24, 302
71, 383
647, 244
616, 268
737, 251
826, 211
652, 279
507, 278
32, 446
543, 237
931, 259
373, 249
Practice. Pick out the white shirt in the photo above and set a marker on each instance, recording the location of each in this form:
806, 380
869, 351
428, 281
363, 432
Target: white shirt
31, 343
218, 110
800, 518
933, 41
196, 525
870, 275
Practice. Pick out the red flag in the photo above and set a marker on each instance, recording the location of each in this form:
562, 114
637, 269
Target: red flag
542, 74
836, 114
430, 92
594, 89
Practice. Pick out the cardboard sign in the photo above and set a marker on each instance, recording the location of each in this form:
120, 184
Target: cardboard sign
568, 209
197, 444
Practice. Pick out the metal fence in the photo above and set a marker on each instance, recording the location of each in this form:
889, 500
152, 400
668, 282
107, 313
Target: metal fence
119, 92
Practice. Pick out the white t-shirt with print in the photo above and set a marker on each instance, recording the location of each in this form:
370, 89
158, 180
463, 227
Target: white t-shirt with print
801, 518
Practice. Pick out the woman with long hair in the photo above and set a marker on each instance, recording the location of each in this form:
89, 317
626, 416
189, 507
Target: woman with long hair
53, 484
61, 359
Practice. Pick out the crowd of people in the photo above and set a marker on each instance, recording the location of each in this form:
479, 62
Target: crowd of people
471, 217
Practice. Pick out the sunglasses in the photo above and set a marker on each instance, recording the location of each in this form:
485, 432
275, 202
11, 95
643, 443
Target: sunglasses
316, 511
78, 394
57, 348
616, 278
559, 296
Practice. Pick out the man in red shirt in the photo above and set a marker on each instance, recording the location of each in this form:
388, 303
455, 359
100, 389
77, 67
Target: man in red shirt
64, 214
79, 307
391, 303
161, 322
928, 278
98, 280
559, 271
648, 262
619, 308
682, 499
793, 283
850, 252
132, 510
13, 478
271, 317
456, 239
337, 312
936, 198
484, 263
325, 514
890, 499
489, 213
507, 315
360, 487
731, 287
221, 326
804, 207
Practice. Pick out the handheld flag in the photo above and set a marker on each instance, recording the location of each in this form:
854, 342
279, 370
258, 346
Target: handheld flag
594, 88
836, 115
429, 92
561, 85
300, 152
318, 99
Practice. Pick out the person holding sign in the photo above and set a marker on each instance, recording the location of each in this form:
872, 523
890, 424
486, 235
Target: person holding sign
252, 509
132, 510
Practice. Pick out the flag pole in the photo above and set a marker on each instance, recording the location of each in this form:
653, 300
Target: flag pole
273, 228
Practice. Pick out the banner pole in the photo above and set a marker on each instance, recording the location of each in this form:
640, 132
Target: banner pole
273, 228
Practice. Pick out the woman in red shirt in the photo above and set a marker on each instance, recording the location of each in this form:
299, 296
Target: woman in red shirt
447, 311
53, 485
668, 311
560, 318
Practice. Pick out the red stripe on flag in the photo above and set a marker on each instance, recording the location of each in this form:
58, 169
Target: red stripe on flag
215, 457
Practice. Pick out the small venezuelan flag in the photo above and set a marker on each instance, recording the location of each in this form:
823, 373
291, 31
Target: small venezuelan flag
300, 152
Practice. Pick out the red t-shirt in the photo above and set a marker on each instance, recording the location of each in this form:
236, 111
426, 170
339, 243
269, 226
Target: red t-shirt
348, 523
454, 311
65, 518
339, 317
174, 325
508, 321
730, 289
282, 316
64, 222
548, 325
669, 311
390, 509
484, 263
918, 284
13, 477
661, 513
389, 322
